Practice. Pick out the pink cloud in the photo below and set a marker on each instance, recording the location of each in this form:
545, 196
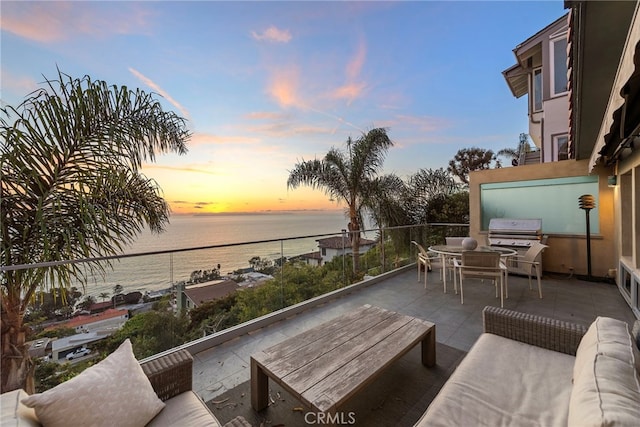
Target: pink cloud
47, 22
265, 115
353, 88
198, 139
284, 88
273, 34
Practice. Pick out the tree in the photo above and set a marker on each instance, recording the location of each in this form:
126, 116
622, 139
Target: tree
72, 189
471, 159
347, 177
104, 295
513, 154
423, 187
117, 289
87, 302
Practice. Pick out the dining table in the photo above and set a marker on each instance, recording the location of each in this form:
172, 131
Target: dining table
454, 251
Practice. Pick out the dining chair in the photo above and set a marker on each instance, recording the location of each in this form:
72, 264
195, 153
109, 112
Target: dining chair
448, 260
525, 264
480, 265
424, 258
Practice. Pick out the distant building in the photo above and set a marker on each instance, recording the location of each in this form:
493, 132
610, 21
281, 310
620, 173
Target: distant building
332, 247
253, 279
63, 346
40, 348
312, 258
111, 319
89, 328
192, 296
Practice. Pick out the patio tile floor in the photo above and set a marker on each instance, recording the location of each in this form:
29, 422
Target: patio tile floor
225, 366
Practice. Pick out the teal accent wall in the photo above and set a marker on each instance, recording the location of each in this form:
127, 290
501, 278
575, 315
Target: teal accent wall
553, 200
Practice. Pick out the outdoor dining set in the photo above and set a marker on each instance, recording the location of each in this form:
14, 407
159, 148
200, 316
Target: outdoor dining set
462, 258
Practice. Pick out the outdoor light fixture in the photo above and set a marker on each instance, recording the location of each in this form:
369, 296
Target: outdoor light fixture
612, 180
586, 203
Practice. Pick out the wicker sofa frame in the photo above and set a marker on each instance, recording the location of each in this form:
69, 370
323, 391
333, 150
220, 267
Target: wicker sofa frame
552, 334
172, 374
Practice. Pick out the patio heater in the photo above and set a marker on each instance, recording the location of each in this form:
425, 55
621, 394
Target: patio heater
587, 202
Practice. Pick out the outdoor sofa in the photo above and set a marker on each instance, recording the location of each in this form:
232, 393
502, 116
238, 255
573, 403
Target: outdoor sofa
170, 377
527, 370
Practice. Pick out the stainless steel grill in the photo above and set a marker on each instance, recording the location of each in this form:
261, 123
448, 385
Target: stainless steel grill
517, 234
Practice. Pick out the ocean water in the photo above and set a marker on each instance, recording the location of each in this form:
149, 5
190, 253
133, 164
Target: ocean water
158, 272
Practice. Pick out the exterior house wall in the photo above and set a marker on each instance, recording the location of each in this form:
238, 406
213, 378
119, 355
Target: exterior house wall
565, 250
556, 122
627, 203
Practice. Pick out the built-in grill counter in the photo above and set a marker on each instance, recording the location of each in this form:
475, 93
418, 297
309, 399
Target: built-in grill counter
516, 234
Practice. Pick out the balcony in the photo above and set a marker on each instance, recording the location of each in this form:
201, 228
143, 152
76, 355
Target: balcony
221, 372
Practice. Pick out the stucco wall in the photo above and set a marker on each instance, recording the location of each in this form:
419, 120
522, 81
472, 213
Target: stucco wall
565, 251
556, 122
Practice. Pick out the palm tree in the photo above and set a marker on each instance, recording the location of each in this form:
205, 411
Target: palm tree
104, 295
117, 289
72, 189
513, 154
347, 177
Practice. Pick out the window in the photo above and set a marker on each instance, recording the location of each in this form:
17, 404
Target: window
324, 251
537, 89
559, 66
561, 146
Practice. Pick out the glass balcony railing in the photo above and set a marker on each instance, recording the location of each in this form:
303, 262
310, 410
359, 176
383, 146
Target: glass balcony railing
146, 296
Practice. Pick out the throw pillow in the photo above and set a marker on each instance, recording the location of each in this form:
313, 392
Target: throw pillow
606, 336
605, 394
113, 392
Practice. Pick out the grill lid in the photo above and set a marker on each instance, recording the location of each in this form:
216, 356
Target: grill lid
511, 226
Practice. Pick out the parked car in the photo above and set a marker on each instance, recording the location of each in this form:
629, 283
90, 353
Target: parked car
78, 353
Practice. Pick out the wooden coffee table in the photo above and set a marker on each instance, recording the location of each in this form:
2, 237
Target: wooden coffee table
326, 365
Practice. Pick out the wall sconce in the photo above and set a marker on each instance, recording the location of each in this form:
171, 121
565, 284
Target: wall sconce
612, 180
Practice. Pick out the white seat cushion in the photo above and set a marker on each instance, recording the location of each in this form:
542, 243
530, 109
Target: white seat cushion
14, 413
607, 336
606, 388
185, 410
505, 382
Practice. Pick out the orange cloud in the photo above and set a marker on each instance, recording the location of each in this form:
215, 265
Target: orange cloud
284, 88
349, 92
286, 129
190, 169
353, 89
273, 34
47, 22
35, 21
207, 139
422, 123
266, 115
354, 67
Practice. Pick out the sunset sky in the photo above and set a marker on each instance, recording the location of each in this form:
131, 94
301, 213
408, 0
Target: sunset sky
264, 85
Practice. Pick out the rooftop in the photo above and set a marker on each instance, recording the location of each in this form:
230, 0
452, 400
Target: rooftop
223, 367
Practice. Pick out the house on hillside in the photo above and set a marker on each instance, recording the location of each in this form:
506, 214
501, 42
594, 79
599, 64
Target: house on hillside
89, 328
332, 247
193, 295
108, 320
313, 259
602, 120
